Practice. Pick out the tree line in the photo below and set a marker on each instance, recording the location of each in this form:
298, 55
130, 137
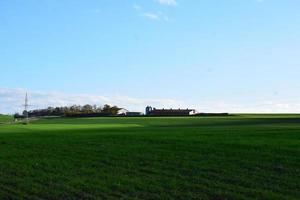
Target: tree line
72, 111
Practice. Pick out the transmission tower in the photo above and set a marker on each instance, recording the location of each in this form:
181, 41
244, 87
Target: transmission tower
26, 105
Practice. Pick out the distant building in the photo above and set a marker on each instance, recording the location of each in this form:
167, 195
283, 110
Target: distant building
125, 112
133, 114
168, 112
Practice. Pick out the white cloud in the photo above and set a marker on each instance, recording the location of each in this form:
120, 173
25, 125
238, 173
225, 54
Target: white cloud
152, 16
167, 2
11, 100
156, 16
279, 106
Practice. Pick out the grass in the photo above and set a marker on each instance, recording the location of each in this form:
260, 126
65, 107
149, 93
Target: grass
238, 157
5, 118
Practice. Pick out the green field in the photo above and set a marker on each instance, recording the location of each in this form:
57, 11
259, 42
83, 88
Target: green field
237, 157
5, 119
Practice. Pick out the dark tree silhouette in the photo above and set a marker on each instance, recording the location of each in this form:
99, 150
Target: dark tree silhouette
73, 111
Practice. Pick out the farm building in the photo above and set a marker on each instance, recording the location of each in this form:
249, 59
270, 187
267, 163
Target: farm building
168, 112
133, 114
125, 112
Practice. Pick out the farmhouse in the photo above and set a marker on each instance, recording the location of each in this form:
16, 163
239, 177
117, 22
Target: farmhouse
168, 112
133, 114
125, 112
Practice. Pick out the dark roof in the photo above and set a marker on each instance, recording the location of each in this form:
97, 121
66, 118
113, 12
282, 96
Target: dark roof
172, 110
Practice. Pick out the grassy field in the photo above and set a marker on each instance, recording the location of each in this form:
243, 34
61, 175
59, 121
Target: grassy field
5, 119
238, 157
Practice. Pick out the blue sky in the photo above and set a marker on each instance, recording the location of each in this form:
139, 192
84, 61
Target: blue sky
213, 55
